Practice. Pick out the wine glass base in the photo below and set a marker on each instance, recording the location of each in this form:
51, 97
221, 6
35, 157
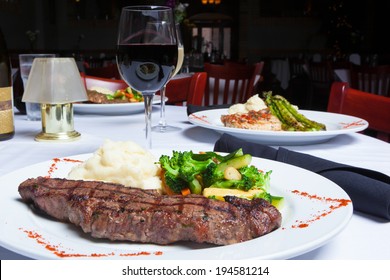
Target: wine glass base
165, 128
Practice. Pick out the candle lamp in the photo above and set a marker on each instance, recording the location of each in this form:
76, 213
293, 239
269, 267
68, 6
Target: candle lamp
55, 83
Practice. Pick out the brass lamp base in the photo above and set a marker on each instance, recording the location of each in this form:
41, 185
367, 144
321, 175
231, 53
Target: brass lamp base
57, 123
65, 137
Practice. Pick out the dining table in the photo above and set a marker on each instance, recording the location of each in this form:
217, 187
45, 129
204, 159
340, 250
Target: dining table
365, 237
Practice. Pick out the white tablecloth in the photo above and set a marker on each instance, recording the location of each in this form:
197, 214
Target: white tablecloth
364, 237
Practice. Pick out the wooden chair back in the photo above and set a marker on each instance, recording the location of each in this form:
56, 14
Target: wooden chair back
373, 79
230, 83
186, 90
373, 108
297, 67
321, 78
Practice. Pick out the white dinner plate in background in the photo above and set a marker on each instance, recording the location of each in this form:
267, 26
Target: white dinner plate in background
336, 124
113, 109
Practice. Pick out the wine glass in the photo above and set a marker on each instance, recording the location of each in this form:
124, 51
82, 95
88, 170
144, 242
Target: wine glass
162, 124
146, 56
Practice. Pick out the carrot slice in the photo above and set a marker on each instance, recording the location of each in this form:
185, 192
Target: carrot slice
186, 191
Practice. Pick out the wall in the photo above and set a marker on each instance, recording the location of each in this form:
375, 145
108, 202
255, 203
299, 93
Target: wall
56, 30
258, 36
277, 36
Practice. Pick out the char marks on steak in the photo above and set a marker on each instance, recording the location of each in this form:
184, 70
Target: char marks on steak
116, 212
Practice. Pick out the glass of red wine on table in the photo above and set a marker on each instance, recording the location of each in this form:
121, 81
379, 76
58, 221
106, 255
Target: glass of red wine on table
147, 52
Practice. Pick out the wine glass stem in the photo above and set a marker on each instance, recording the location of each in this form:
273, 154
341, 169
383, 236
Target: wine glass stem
162, 122
148, 119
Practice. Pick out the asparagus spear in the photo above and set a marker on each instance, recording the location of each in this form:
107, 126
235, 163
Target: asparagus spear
291, 119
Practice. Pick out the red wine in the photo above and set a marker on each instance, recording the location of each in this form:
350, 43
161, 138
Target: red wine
147, 68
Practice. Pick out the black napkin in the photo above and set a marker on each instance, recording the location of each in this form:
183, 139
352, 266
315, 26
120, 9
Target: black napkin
369, 190
196, 108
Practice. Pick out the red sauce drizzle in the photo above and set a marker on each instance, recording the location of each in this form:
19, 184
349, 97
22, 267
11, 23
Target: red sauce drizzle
336, 203
54, 166
352, 124
200, 118
56, 250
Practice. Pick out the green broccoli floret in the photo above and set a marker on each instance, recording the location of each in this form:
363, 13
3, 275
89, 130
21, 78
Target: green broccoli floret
181, 170
258, 178
171, 175
263, 195
190, 168
212, 175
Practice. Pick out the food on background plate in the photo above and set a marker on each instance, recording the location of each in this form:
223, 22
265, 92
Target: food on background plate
273, 113
254, 103
115, 212
256, 120
101, 95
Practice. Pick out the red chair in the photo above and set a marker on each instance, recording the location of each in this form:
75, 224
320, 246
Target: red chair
188, 89
373, 108
230, 83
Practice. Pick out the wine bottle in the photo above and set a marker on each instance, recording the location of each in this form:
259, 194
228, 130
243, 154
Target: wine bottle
7, 129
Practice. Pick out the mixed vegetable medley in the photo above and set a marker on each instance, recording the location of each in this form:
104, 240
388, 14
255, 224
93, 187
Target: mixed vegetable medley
215, 176
127, 93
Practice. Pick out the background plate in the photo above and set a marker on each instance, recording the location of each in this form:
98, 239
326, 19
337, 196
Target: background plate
336, 124
113, 109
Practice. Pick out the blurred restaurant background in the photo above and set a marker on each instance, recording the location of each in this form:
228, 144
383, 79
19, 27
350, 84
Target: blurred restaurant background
248, 31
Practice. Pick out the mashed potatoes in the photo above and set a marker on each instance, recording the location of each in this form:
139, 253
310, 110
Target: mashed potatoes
125, 163
254, 103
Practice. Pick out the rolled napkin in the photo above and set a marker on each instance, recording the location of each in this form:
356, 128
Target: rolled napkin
369, 190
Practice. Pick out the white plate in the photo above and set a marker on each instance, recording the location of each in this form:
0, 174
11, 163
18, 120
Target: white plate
113, 109
29, 233
336, 124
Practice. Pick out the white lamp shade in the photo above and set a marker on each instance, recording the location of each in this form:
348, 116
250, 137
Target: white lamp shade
54, 81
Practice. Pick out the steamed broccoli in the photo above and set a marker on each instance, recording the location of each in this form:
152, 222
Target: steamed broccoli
190, 168
198, 171
211, 175
171, 168
256, 179
181, 170
251, 178
214, 175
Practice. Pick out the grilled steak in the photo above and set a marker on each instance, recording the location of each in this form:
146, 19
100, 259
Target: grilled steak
115, 212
